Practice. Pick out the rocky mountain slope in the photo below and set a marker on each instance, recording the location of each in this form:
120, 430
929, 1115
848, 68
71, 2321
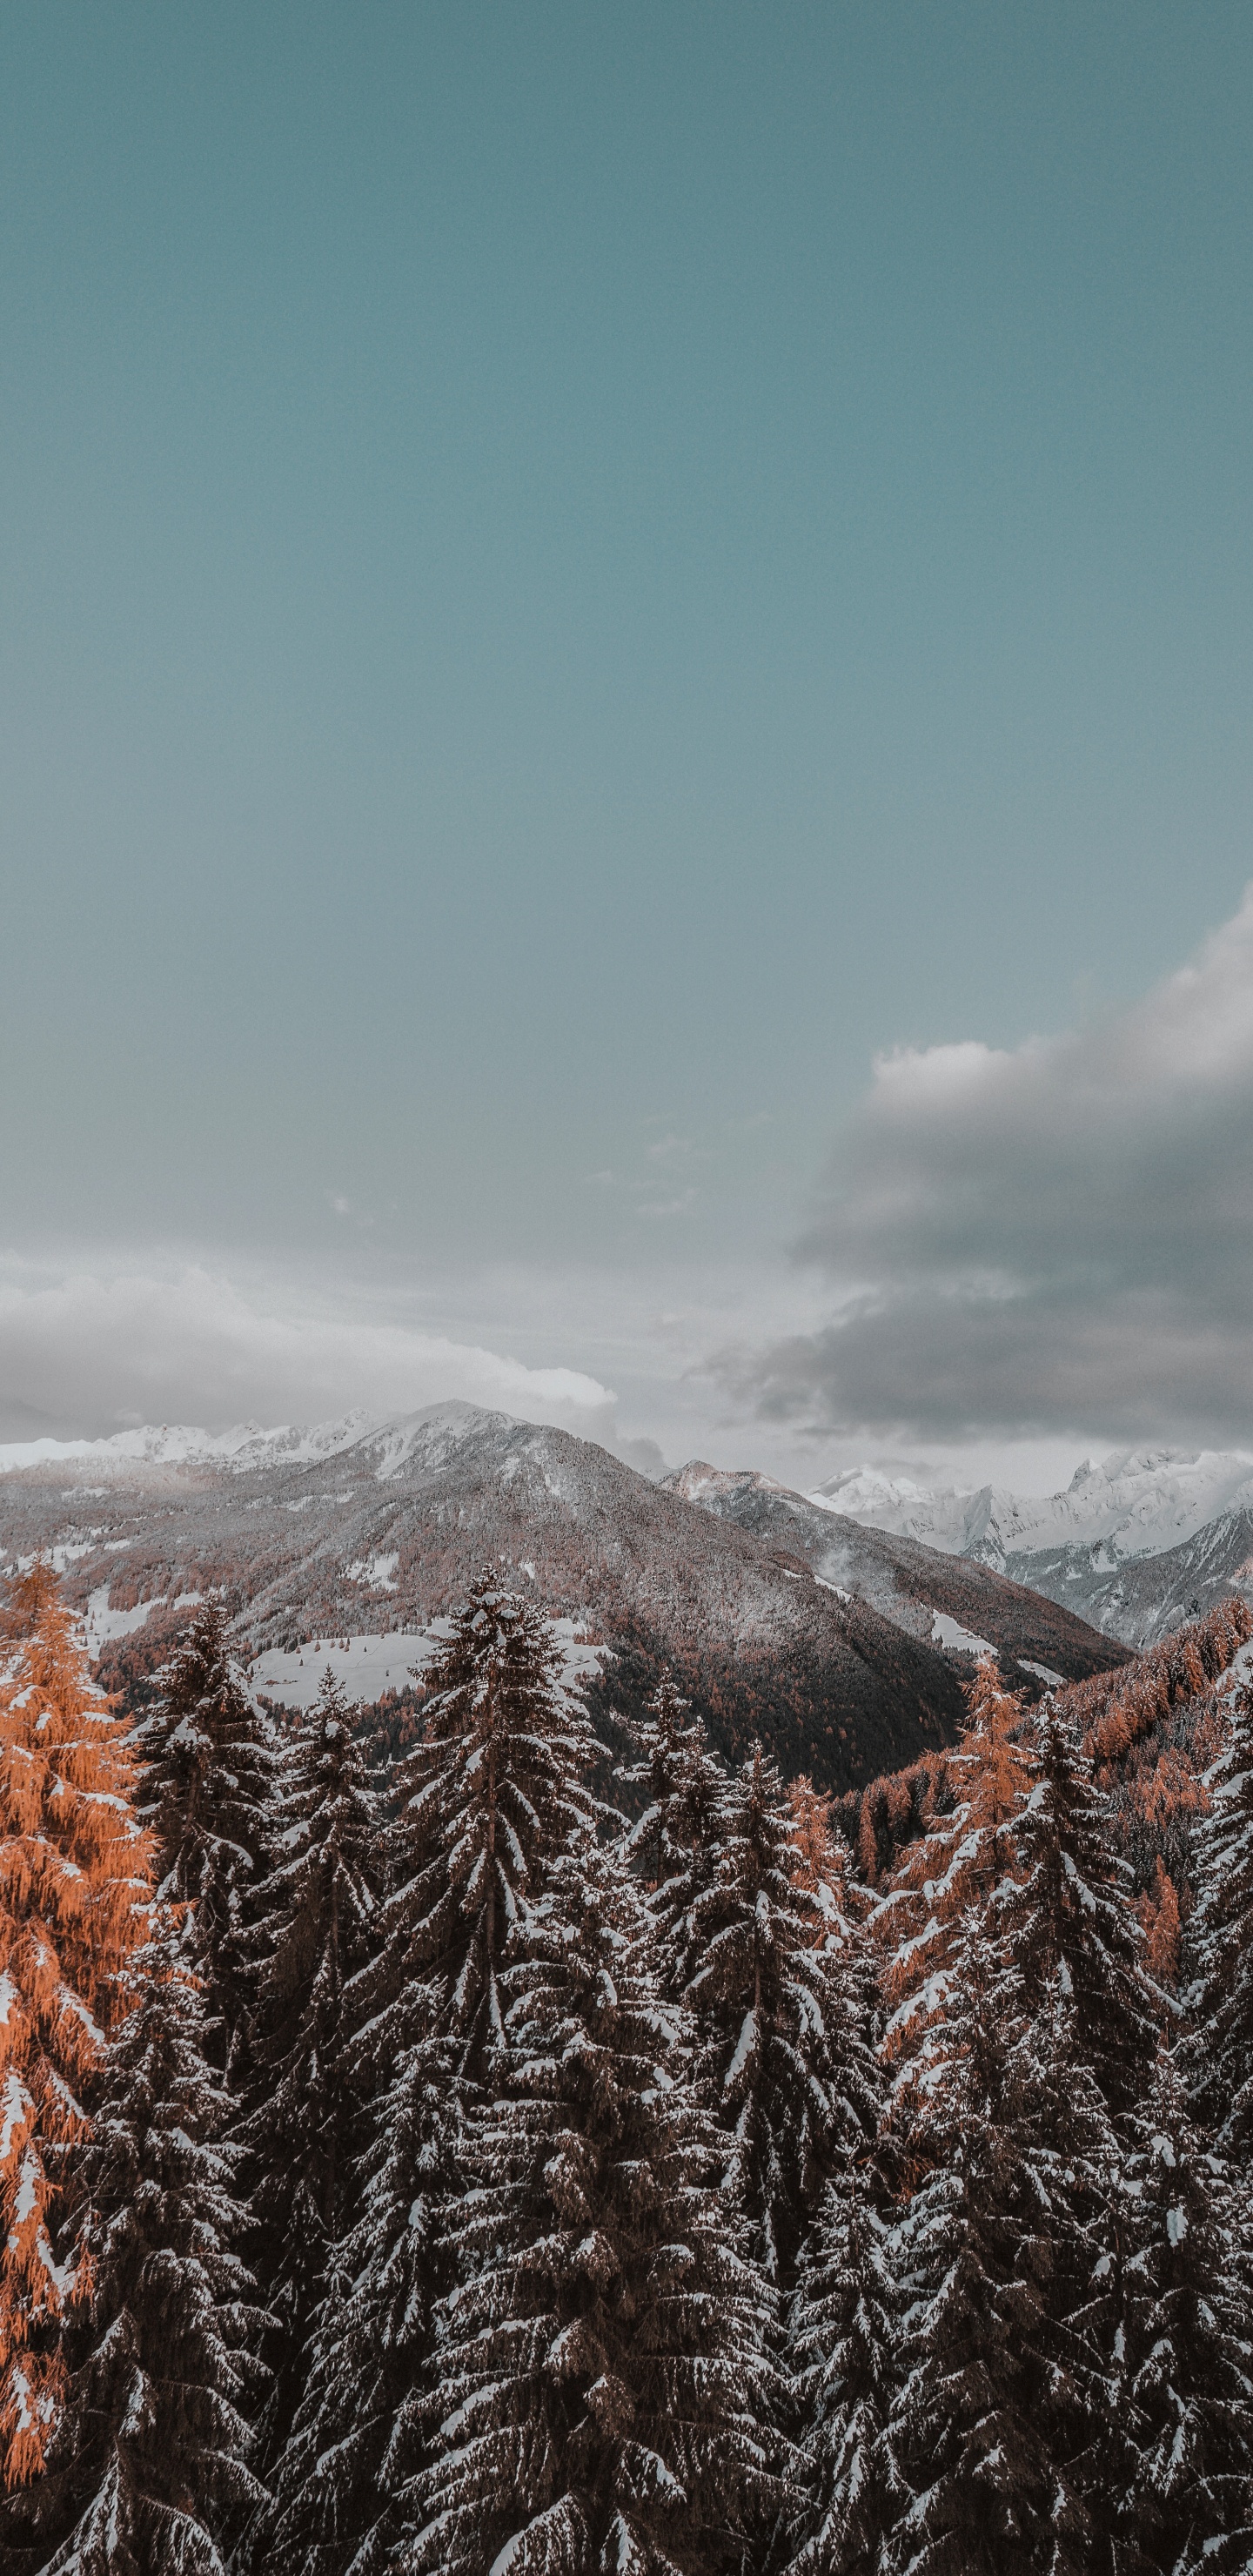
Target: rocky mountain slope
1135, 1544
943, 1599
359, 1530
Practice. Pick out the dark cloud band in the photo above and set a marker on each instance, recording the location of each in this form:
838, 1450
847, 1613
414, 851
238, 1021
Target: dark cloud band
1058, 1238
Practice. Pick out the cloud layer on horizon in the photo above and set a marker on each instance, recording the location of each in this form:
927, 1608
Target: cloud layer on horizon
1057, 1237
87, 1350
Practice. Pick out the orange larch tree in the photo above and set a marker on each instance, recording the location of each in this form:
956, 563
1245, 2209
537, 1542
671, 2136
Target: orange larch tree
940, 1882
74, 1883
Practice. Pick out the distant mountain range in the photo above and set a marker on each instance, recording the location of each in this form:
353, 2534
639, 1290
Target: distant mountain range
1136, 1543
845, 1647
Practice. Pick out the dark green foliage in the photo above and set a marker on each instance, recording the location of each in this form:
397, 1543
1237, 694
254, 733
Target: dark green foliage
316, 1912
601, 2393
1185, 2354
149, 2471
676, 1842
1071, 1918
208, 1795
843, 2342
1220, 1948
777, 2004
487, 1797
988, 2411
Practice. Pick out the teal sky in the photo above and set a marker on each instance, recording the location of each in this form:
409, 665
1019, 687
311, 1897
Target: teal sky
569, 574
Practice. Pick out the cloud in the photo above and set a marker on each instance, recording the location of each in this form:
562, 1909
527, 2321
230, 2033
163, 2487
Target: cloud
1053, 1237
90, 1349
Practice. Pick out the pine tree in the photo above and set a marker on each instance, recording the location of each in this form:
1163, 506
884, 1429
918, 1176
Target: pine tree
779, 2002
316, 1913
1070, 1915
1188, 2357
211, 1777
987, 2419
940, 1881
1220, 1947
492, 1790
842, 2356
74, 1876
148, 2472
601, 2383
676, 1843
820, 1855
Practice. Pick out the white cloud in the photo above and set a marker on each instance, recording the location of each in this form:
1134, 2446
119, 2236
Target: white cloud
1053, 1237
90, 1348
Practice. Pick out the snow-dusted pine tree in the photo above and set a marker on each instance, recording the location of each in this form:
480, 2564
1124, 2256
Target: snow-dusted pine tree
779, 2001
1219, 1947
209, 1785
940, 1881
1070, 1915
676, 1843
493, 1789
1186, 2357
301, 2129
988, 2414
148, 2471
601, 2390
842, 2352
74, 1877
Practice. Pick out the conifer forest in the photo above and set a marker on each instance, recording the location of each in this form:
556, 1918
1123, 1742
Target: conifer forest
494, 2155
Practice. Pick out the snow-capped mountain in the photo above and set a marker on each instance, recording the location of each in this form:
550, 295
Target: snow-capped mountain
369, 1529
1136, 1542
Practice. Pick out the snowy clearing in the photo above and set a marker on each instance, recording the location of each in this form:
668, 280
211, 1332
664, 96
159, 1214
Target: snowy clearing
957, 1640
367, 1666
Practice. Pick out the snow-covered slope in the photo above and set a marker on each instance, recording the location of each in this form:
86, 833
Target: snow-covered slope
951, 1600
365, 1528
1090, 1546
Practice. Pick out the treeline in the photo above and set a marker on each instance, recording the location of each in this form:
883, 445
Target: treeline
420, 2168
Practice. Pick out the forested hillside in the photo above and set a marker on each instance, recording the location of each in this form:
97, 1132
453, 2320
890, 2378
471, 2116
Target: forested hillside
412, 2161
361, 1531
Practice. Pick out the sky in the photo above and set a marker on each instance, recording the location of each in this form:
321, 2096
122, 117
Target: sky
625, 668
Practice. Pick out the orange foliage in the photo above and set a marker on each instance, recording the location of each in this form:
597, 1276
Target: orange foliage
819, 1851
74, 1870
1116, 1709
938, 1880
1173, 1784
1158, 1910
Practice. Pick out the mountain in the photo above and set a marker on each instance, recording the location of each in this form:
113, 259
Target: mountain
1136, 1543
947, 1600
370, 1530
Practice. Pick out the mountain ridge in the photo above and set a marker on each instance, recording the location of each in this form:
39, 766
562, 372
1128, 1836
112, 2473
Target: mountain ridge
378, 1526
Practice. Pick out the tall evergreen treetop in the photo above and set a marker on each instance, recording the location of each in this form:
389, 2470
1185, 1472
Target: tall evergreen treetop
676, 1843
494, 1789
843, 2355
939, 1882
496, 1784
1187, 2362
603, 2397
1071, 1918
986, 2418
316, 1914
779, 2002
211, 1779
148, 2473
1220, 1945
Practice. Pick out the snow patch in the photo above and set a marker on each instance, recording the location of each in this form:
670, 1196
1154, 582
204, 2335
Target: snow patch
955, 1639
366, 1666
376, 1573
